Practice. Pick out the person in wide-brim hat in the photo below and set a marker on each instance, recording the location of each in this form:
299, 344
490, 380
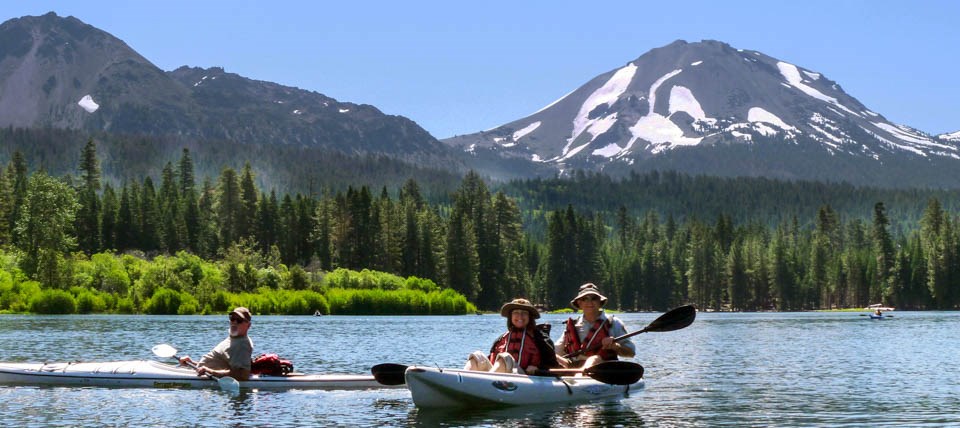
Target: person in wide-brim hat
524, 304
524, 348
588, 289
591, 338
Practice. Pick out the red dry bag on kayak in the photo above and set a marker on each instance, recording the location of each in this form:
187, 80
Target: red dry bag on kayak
270, 364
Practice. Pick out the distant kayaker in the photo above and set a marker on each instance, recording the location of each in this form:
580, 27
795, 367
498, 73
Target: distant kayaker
878, 313
525, 347
592, 332
232, 356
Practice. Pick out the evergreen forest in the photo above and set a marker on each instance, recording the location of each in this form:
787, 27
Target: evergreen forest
173, 243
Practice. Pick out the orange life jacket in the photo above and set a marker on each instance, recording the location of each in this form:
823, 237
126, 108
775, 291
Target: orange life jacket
511, 342
599, 330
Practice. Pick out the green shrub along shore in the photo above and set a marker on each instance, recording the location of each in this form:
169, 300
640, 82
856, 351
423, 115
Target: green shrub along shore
185, 284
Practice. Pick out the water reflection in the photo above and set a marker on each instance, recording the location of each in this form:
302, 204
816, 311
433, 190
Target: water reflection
571, 415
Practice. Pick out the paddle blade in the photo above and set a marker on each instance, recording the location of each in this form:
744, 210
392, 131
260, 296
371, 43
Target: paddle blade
675, 319
164, 351
389, 373
229, 384
616, 372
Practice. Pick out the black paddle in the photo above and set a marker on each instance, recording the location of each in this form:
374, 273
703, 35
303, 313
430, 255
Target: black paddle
611, 372
389, 373
674, 319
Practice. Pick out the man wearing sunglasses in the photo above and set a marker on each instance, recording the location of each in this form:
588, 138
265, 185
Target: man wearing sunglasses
592, 333
232, 356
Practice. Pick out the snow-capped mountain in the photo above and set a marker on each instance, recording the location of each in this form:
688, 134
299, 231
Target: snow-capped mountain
663, 109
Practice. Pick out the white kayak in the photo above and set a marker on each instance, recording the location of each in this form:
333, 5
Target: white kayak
433, 387
153, 374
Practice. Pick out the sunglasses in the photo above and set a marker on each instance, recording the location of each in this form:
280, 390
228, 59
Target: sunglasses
590, 298
237, 320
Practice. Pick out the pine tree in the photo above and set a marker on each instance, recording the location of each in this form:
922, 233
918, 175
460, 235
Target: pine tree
127, 229
17, 177
883, 248
108, 219
185, 169
304, 228
189, 202
410, 246
266, 223
562, 278
172, 227
510, 278
432, 246
288, 227
208, 241
6, 207
149, 216
229, 207
736, 275
322, 232
461, 256
88, 216
248, 199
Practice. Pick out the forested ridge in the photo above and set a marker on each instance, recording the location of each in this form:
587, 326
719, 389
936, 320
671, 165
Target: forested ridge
293, 168
687, 240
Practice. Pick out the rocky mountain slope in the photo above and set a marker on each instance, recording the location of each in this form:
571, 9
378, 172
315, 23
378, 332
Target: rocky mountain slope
63, 73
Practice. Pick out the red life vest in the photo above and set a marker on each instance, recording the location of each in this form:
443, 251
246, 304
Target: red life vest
510, 342
600, 330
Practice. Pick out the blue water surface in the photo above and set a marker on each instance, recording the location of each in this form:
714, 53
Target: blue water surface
755, 369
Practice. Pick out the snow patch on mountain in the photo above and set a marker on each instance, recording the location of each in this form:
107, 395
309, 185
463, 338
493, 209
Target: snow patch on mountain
953, 136
681, 99
758, 114
606, 94
792, 74
88, 104
901, 134
656, 85
660, 132
893, 144
609, 151
526, 130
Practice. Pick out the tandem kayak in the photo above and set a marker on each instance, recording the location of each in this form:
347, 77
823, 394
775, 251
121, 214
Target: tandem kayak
433, 387
153, 374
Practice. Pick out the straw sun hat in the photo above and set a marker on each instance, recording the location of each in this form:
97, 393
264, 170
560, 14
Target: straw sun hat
587, 289
519, 304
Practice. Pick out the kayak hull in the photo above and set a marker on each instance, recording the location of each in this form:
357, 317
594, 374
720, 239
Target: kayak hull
878, 317
153, 374
432, 387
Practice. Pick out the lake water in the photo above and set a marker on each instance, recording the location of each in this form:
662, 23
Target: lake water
765, 369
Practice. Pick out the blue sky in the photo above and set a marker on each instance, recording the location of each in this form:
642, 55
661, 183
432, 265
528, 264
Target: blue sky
458, 67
